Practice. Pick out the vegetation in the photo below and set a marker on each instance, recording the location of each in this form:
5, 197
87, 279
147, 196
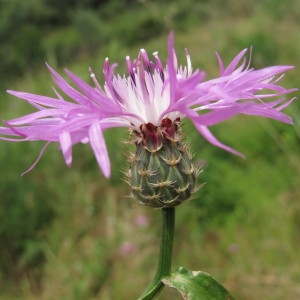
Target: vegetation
72, 234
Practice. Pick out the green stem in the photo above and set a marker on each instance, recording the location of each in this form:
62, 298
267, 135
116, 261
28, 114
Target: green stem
165, 255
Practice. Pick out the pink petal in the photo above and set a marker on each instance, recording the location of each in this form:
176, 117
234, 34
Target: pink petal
99, 147
66, 147
67, 89
209, 136
42, 100
37, 160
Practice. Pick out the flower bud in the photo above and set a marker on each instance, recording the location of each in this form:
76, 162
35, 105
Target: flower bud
161, 173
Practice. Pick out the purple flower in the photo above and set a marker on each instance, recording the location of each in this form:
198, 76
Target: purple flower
127, 248
149, 94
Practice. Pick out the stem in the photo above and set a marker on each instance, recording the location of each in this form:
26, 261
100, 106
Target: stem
165, 255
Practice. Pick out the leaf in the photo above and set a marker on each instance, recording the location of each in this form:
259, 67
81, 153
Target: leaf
196, 285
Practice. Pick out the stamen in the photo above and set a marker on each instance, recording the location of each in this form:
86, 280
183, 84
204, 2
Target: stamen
130, 68
93, 76
146, 60
189, 63
106, 67
159, 66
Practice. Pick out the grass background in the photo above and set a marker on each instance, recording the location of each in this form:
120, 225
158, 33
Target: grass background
72, 234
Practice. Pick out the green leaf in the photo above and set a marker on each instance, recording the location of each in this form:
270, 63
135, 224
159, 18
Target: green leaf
196, 285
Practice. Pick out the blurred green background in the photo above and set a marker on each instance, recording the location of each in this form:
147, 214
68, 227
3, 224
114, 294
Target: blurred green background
72, 234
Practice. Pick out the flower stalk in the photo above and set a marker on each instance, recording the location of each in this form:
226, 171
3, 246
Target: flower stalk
165, 255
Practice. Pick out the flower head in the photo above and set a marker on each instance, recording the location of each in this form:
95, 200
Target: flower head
151, 100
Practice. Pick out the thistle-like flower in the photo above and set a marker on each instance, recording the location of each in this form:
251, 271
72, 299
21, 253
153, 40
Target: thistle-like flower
151, 101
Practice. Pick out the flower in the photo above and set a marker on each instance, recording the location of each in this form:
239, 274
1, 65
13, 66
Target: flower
149, 97
127, 248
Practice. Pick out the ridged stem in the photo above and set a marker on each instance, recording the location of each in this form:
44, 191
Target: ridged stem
165, 255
